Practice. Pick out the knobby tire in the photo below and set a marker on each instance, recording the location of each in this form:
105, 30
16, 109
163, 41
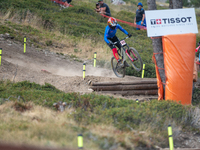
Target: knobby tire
118, 72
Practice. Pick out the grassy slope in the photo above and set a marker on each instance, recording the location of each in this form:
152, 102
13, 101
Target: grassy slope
75, 25
81, 30
78, 28
104, 121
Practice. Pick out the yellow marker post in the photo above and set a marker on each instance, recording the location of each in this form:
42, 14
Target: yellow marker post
0, 55
84, 71
80, 141
143, 70
171, 144
25, 44
95, 58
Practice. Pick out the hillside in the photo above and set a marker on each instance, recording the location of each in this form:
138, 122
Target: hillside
58, 42
76, 31
105, 122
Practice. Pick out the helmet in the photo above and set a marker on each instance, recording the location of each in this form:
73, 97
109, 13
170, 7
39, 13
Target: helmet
139, 4
112, 22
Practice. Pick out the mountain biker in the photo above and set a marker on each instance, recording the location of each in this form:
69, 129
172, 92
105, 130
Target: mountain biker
110, 37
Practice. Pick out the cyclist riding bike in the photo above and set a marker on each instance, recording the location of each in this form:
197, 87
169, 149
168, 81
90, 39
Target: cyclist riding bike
110, 37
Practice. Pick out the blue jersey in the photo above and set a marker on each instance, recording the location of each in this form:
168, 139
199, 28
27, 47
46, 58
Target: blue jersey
109, 33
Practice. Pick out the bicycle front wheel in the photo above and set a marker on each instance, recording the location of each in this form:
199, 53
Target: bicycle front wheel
118, 70
134, 59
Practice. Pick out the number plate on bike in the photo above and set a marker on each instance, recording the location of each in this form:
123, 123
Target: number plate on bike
123, 43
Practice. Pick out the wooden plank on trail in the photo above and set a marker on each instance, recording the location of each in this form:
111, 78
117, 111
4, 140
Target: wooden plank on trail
132, 92
125, 87
124, 83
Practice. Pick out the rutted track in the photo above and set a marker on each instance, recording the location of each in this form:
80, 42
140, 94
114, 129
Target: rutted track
63, 72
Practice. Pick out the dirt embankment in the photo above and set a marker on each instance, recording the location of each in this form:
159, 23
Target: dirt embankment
45, 66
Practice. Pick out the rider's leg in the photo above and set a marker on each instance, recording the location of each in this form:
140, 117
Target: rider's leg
115, 53
114, 49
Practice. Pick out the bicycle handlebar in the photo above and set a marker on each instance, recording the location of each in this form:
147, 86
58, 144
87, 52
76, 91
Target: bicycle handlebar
121, 40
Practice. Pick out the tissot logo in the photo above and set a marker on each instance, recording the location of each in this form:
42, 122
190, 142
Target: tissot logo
170, 20
153, 21
158, 21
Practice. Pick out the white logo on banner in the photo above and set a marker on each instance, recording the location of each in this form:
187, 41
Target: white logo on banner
172, 21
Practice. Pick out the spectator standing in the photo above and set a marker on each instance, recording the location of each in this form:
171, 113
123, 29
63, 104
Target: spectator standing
140, 16
104, 8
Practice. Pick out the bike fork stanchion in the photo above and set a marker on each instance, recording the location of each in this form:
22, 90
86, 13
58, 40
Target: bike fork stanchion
143, 70
84, 71
129, 56
95, 58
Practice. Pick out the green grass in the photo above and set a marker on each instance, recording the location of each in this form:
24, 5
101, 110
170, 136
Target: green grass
97, 110
78, 22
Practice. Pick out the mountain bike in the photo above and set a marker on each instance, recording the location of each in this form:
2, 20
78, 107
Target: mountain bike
135, 60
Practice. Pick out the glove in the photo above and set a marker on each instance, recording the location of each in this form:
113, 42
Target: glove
129, 35
111, 45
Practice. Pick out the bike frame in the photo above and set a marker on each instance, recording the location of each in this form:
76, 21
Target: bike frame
125, 50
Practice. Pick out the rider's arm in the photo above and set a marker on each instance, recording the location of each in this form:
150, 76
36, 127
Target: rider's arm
123, 30
106, 35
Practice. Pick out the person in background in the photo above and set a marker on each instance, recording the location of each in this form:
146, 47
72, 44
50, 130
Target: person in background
140, 16
67, 2
196, 68
98, 10
198, 50
104, 8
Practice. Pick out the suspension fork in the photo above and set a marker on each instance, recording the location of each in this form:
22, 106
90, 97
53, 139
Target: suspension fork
130, 56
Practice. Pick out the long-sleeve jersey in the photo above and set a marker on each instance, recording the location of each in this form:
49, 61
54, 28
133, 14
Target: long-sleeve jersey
109, 33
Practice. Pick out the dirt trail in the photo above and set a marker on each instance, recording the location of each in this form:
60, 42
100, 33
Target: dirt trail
63, 72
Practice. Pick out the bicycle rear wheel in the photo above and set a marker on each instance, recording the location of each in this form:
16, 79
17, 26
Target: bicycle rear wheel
119, 71
134, 59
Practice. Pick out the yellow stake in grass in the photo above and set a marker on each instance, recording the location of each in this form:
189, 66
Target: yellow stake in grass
24, 44
143, 70
95, 58
171, 144
80, 141
0, 55
84, 71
